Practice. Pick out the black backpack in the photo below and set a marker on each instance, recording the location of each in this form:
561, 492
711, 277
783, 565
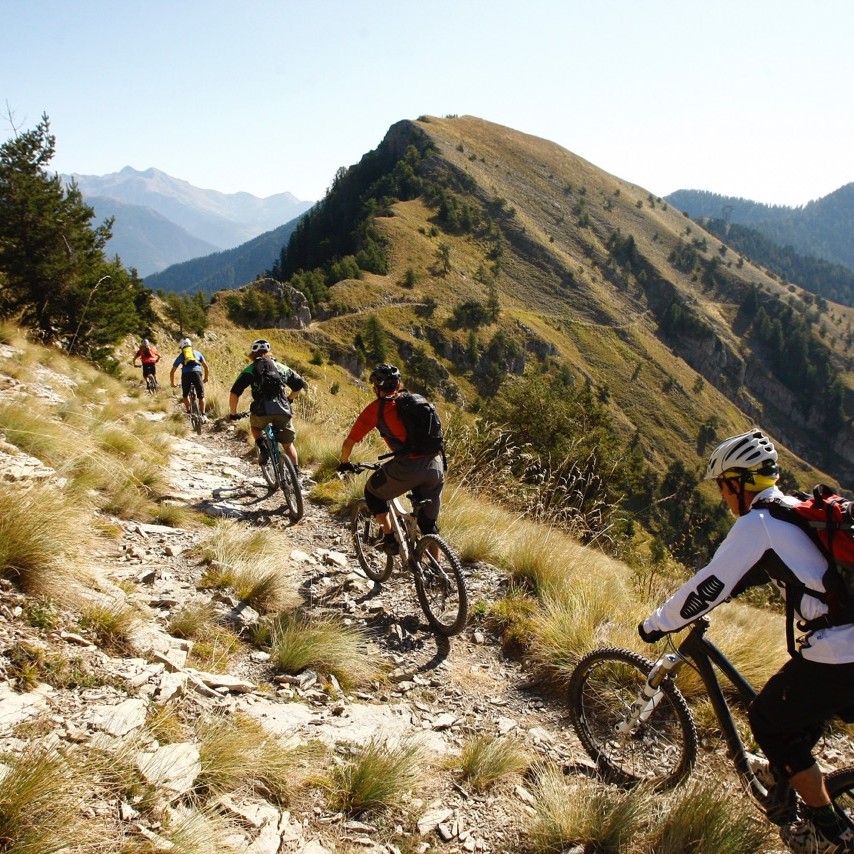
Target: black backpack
271, 397
423, 426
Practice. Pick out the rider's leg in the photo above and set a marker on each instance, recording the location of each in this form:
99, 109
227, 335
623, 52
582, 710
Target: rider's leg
379, 507
284, 432
787, 718
260, 442
185, 391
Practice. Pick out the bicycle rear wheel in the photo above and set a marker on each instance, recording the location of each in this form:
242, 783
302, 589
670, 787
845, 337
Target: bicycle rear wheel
604, 686
268, 469
440, 585
195, 415
367, 535
290, 486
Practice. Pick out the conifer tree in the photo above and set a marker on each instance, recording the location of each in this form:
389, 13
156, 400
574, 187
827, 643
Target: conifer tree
56, 277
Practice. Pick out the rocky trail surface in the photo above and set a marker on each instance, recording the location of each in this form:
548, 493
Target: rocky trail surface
439, 692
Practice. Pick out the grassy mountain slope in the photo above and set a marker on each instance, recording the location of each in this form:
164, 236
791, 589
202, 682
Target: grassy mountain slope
587, 285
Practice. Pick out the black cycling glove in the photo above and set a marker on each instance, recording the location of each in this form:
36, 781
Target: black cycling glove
236, 417
649, 637
346, 468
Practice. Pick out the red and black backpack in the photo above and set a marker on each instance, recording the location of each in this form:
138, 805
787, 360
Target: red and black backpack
828, 520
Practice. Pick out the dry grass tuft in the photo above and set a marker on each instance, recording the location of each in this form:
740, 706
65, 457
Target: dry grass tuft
112, 623
585, 813
706, 818
42, 539
326, 644
236, 752
375, 778
248, 561
39, 805
485, 760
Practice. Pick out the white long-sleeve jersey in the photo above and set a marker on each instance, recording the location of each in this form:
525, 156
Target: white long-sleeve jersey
750, 539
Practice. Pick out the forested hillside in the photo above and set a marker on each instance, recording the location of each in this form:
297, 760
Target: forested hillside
596, 340
821, 228
488, 257
221, 270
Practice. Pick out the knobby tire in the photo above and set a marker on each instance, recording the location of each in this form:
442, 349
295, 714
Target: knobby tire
195, 415
290, 486
367, 534
440, 585
840, 787
661, 751
268, 469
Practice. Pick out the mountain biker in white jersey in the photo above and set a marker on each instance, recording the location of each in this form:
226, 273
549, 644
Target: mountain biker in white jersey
789, 714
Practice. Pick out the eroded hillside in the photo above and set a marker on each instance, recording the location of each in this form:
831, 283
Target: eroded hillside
595, 276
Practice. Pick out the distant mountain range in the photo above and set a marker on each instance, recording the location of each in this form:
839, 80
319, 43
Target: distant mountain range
821, 228
160, 220
231, 268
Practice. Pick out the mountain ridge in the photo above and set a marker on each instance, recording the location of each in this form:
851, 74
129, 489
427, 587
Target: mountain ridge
220, 220
579, 250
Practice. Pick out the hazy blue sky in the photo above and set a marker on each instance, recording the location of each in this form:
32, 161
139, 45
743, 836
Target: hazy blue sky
743, 97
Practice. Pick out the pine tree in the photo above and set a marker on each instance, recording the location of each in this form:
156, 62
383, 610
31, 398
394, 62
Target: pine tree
56, 277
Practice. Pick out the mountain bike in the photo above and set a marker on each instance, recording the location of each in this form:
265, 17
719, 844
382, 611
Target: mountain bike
637, 727
280, 473
436, 571
151, 384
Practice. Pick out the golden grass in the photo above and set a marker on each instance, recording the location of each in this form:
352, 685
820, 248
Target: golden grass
485, 760
214, 644
39, 806
236, 752
582, 812
248, 561
376, 777
324, 643
112, 623
43, 539
706, 818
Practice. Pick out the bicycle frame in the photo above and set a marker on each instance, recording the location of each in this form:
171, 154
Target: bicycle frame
705, 656
404, 526
272, 444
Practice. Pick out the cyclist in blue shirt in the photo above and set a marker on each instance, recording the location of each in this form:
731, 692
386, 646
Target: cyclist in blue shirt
194, 371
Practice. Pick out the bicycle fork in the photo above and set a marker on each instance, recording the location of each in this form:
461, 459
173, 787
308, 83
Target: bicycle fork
641, 710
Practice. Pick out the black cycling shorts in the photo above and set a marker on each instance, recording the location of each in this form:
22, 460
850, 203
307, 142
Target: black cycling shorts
789, 714
193, 378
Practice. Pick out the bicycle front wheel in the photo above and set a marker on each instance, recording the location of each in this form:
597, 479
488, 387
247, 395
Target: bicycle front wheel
367, 535
291, 489
661, 750
440, 585
840, 787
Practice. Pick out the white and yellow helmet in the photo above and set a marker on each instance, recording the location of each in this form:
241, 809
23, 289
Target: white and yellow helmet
750, 455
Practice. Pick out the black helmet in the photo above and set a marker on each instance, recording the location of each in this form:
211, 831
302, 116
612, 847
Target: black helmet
385, 377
